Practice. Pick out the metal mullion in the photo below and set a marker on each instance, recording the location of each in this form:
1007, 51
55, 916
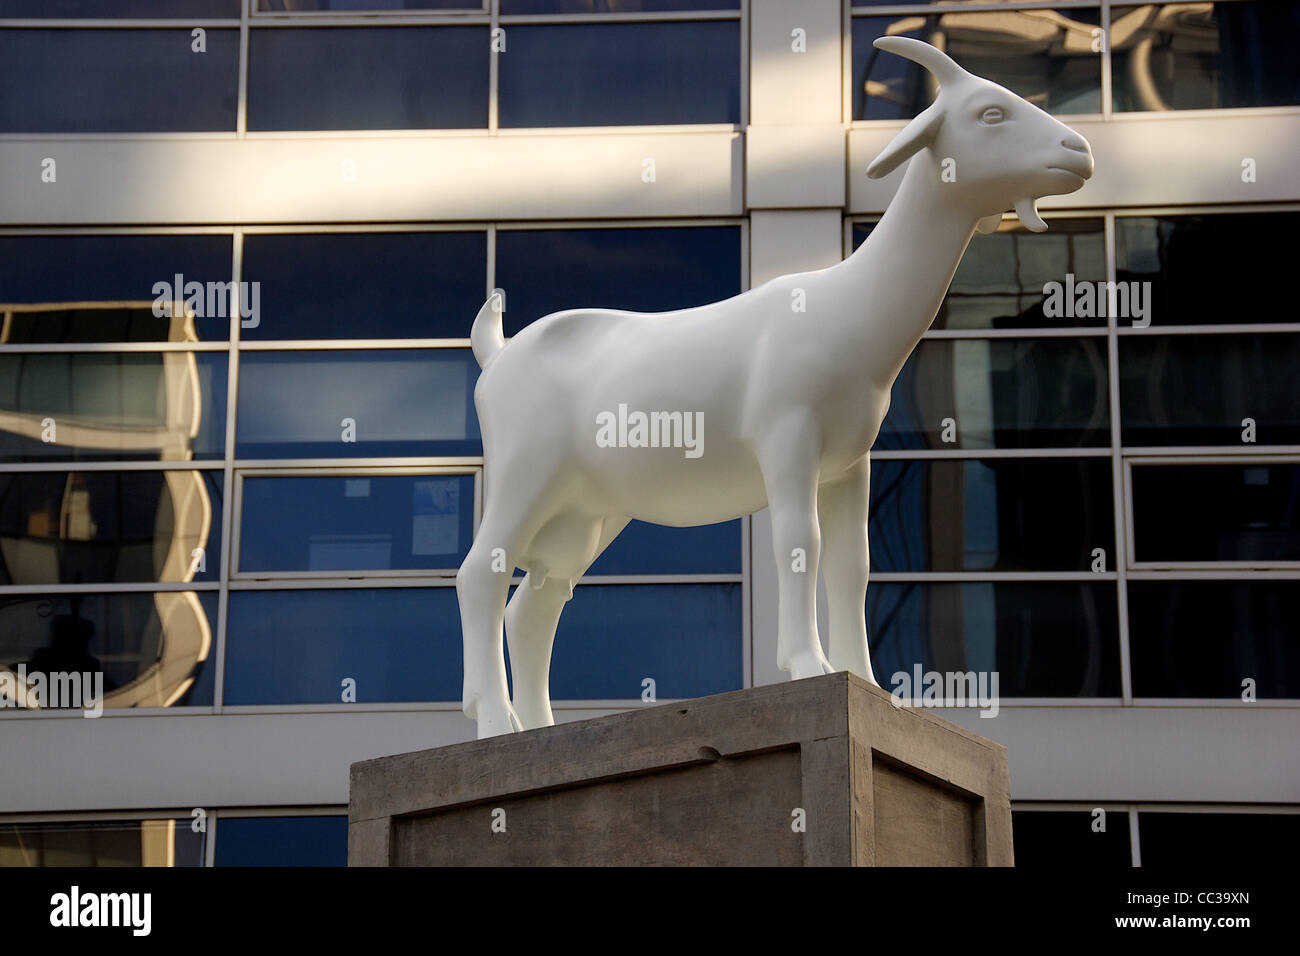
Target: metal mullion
989, 6
114, 230
648, 16
324, 345
494, 67
892, 454
537, 225
1119, 503
1210, 453
1246, 328
397, 18
118, 23
338, 583
1041, 332
330, 228
343, 471
743, 40
1106, 90
1134, 839
241, 101
949, 577
18, 467
229, 515
1217, 574
263, 464
117, 587
60, 347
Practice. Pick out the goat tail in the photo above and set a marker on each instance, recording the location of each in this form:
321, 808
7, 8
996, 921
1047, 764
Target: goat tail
486, 336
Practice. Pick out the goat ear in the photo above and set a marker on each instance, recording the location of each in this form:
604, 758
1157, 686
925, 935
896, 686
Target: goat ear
915, 136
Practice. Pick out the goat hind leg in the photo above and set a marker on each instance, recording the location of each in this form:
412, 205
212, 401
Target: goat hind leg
531, 618
843, 505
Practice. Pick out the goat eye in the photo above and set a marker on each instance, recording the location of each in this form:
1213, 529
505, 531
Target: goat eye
992, 115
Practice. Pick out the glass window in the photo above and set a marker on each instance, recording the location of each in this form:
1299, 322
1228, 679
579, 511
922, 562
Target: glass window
1053, 839
153, 649
1240, 841
101, 288
1000, 393
1244, 252
995, 514
117, 81
657, 549
1204, 638
92, 527
101, 843
1043, 638
1186, 56
621, 74
362, 403
1046, 56
282, 841
1004, 279
356, 522
78, 406
1255, 517
106, 9
366, 285
1200, 389
368, 78
639, 269
613, 6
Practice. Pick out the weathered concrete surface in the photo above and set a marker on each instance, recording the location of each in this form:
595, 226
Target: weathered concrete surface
721, 780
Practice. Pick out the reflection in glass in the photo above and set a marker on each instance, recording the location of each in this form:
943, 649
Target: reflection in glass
1046, 56
621, 74
101, 288
1197, 840
282, 841
1000, 393
1256, 513
1246, 254
1044, 638
1043, 838
356, 522
638, 269
101, 843
1203, 638
367, 286
995, 514
91, 527
1199, 389
362, 403
117, 81
1186, 56
999, 281
368, 78
74, 406
153, 649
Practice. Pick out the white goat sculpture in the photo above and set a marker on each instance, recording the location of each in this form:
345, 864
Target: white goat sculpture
792, 401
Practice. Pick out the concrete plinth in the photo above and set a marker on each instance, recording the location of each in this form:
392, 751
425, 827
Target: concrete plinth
824, 771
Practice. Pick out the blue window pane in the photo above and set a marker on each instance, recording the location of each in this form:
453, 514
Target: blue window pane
282, 841
641, 270
88, 527
1044, 639
153, 649
368, 78
107, 9
117, 81
102, 405
356, 523
993, 514
367, 286
621, 74
656, 549
409, 402
1001, 393
44, 270
297, 647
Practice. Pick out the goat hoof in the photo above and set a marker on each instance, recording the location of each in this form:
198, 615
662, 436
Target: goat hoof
809, 664
497, 719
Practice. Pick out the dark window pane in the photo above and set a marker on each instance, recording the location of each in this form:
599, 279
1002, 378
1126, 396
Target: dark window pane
1187, 56
282, 841
101, 843
154, 650
117, 81
1002, 393
101, 288
1044, 638
1198, 389
1240, 841
1203, 638
108, 9
356, 522
613, 6
165, 406
996, 514
641, 270
621, 74
91, 527
367, 286
1255, 515
1056, 839
398, 403
368, 78
656, 549
1244, 252
1033, 53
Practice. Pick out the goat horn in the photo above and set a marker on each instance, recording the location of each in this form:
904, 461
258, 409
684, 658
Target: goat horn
1027, 210
944, 67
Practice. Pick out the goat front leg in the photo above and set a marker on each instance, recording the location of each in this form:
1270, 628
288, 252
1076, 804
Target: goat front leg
788, 458
843, 506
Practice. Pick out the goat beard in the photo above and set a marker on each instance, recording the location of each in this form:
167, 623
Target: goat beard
1027, 211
